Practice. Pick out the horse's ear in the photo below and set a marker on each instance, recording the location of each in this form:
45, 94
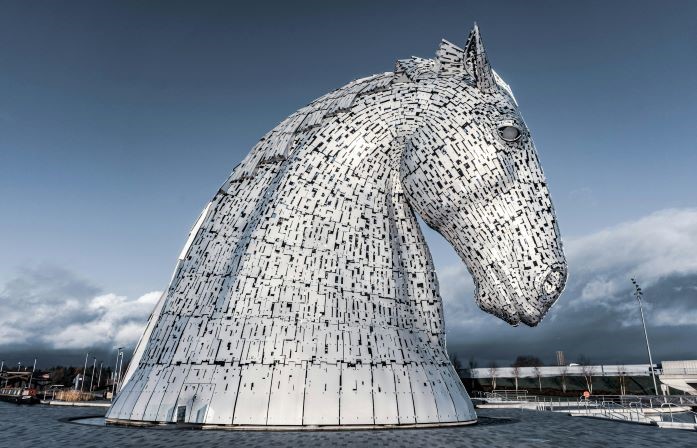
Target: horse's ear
400, 71
450, 58
476, 62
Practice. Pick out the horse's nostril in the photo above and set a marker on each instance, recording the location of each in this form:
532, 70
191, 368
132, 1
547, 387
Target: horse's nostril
553, 283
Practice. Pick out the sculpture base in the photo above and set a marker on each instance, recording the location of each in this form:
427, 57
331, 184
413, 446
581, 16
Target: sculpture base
140, 423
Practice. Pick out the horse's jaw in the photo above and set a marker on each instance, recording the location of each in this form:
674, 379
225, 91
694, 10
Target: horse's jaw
513, 252
498, 295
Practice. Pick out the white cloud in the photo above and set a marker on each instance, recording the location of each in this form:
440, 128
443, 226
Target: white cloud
116, 321
51, 307
599, 288
672, 317
661, 244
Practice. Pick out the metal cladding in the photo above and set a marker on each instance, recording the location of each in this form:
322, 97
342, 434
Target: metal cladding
306, 295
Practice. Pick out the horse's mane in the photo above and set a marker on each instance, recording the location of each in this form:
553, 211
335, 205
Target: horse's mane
278, 144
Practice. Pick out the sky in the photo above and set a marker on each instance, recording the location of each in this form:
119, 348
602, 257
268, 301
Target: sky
120, 120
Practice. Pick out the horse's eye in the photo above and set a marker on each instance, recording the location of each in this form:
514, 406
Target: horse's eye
510, 133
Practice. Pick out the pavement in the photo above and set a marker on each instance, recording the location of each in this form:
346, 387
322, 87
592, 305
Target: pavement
44, 426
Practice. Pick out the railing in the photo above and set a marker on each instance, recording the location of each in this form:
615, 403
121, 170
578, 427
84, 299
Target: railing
679, 415
645, 409
507, 395
522, 397
623, 410
651, 400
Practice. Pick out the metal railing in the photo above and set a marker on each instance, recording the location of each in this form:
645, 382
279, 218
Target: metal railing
612, 409
510, 395
645, 409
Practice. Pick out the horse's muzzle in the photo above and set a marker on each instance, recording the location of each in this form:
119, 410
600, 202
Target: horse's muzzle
548, 288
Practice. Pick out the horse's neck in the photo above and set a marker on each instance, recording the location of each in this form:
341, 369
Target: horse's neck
324, 234
339, 223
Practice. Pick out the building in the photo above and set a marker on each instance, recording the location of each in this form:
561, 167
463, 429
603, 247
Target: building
679, 375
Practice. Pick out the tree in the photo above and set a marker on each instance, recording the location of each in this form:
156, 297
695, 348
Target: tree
563, 371
538, 374
525, 361
622, 371
493, 372
516, 375
587, 370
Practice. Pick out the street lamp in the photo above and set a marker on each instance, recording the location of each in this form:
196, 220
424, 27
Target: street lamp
638, 294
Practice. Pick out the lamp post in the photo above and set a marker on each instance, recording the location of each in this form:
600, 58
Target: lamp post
638, 294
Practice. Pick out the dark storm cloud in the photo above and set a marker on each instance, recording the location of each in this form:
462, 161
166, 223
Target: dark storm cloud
597, 316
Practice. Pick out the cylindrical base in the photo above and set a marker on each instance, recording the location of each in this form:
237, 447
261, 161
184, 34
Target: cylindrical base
293, 396
140, 423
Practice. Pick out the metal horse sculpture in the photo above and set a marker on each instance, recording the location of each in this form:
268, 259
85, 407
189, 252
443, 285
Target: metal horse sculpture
306, 296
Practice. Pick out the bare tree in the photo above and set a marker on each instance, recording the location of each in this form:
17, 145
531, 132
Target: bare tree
622, 371
587, 370
516, 375
538, 374
493, 372
563, 371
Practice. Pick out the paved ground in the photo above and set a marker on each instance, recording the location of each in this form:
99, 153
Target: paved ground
43, 426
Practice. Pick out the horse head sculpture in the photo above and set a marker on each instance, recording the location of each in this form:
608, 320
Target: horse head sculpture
471, 171
306, 296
